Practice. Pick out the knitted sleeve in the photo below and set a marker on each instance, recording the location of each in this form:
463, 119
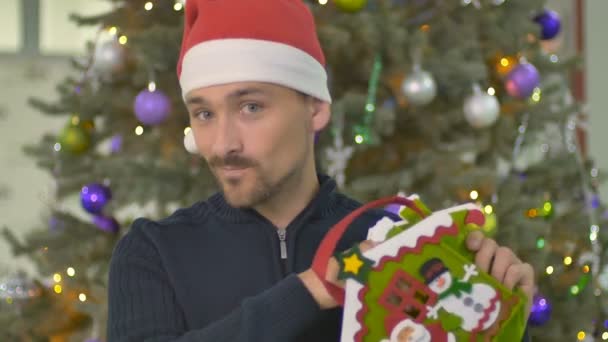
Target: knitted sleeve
143, 305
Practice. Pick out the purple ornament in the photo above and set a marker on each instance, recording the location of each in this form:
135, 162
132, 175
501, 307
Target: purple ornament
522, 80
107, 224
55, 224
152, 107
94, 197
595, 202
541, 311
550, 24
116, 143
393, 208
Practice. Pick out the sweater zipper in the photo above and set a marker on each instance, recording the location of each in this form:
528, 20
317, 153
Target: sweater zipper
282, 233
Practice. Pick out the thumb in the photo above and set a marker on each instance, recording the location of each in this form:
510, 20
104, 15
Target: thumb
474, 240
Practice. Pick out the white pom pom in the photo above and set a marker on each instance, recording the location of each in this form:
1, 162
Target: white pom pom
189, 143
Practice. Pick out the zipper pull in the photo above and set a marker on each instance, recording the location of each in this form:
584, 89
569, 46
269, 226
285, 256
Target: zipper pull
282, 243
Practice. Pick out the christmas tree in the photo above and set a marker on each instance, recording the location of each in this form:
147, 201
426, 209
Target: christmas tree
456, 101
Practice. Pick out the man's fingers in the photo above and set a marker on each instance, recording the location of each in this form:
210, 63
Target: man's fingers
474, 240
367, 245
486, 253
503, 260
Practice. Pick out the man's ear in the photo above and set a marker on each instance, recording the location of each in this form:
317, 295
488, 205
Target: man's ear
321, 114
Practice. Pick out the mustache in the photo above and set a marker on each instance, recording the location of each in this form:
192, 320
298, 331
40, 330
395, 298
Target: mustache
231, 160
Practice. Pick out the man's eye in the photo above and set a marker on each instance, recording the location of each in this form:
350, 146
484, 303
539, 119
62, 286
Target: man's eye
251, 108
203, 115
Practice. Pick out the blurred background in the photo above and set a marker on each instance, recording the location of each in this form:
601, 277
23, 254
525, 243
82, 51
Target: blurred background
44, 50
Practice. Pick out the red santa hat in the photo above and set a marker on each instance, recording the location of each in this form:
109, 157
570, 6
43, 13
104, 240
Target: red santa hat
271, 41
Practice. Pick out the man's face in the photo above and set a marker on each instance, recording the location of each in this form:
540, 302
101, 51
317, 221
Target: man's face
256, 137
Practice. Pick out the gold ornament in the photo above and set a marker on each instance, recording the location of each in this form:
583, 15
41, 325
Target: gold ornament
350, 6
76, 136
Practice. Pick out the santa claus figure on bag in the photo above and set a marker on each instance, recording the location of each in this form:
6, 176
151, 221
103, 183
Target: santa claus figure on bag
477, 304
409, 331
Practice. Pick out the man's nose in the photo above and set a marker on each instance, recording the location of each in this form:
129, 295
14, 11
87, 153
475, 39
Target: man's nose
227, 137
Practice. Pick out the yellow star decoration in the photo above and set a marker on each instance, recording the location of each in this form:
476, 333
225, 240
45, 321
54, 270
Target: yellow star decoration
352, 264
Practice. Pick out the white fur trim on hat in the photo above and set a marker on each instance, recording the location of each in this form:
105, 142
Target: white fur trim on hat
224, 61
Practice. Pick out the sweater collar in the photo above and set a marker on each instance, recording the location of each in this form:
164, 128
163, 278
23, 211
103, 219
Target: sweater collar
322, 204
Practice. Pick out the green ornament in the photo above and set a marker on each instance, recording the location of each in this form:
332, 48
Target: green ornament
350, 6
75, 139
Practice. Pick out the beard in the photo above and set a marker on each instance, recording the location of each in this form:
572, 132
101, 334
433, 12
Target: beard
253, 188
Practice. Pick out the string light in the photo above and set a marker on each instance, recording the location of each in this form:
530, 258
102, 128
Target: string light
586, 269
148, 6
491, 91
474, 195
178, 6
152, 86
139, 130
540, 243
322, 2
113, 30
536, 95
581, 335
488, 209
574, 289
122, 40
57, 288
82, 297
567, 261
57, 147
71, 271
359, 139
57, 277
554, 58
605, 336
187, 130
549, 270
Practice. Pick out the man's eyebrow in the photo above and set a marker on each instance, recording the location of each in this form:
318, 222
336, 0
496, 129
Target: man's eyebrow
245, 91
199, 100
195, 100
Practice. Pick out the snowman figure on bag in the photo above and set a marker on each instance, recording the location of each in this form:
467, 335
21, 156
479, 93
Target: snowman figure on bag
477, 304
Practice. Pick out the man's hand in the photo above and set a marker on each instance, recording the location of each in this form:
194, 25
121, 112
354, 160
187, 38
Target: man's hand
315, 286
502, 264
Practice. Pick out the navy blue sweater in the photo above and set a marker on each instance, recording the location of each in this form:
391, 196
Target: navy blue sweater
215, 273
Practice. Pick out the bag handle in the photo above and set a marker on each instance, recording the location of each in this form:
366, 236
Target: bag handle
329, 242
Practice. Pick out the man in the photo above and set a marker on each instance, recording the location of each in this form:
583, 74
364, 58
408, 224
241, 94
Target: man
236, 267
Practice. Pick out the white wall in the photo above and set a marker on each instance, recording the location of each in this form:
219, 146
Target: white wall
597, 77
28, 185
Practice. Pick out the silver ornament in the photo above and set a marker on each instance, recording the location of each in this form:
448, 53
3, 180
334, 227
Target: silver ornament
419, 87
109, 57
189, 143
481, 109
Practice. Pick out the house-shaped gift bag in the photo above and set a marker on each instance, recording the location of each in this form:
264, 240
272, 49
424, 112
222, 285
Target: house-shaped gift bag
419, 283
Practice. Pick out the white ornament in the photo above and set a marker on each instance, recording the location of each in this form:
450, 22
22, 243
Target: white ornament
419, 87
338, 157
481, 109
109, 57
189, 143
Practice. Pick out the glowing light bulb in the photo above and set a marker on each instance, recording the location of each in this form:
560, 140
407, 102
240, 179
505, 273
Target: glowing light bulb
567, 261
178, 6
57, 277
549, 270
581, 335
71, 271
113, 30
82, 297
57, 288
122, 40
491, 91
148, 6
474, 195
322, 2
488, 209
152, 86
359, 139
